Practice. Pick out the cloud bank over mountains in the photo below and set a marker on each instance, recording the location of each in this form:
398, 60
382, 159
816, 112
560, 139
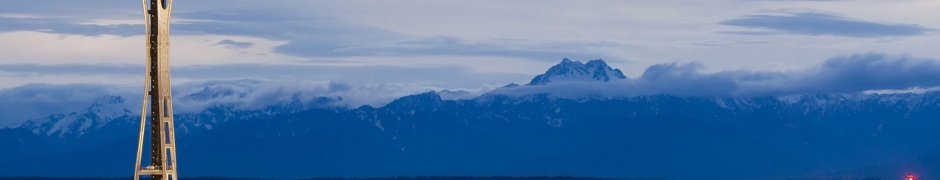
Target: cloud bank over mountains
40, 100
36, 100
846, 74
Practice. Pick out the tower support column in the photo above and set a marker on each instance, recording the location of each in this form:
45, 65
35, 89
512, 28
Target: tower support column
159, 114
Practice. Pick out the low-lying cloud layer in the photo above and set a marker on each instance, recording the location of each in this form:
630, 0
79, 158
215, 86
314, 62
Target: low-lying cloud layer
39, 100
444, 75
252, 94
848, 74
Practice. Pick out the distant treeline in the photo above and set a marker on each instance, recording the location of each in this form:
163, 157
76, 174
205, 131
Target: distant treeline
389, 178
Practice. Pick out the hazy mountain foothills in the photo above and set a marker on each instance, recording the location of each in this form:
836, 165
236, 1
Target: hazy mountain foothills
865, 115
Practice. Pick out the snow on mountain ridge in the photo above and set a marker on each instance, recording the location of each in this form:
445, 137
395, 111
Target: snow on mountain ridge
567, 70
99, 114
456, 94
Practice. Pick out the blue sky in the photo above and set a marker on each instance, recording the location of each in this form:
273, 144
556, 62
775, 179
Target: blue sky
470, 45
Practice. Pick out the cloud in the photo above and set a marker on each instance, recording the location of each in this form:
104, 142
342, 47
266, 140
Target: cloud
859, 73
72, 26
443, 75
253, 94
326, 38
318, 37
809, 23
738, 43
849, 74
797, 0
72, 69
235, 44
39, 100
871, 72
306, 36
451, 46
86, 8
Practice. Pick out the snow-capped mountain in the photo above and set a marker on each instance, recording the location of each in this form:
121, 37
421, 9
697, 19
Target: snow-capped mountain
433, 133
567, 70
99, 114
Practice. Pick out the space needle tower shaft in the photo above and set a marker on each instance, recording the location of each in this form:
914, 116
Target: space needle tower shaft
157, 96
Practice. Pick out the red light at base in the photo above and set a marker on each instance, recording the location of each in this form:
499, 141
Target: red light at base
911, 177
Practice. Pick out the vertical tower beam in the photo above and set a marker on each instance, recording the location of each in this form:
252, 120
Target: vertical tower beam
158, 95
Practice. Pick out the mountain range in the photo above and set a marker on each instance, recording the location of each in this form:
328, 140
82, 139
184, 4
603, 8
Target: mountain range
494, 134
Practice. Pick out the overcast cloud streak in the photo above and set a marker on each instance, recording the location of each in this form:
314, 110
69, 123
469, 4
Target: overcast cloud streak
67, 26
822, 24
317, 38
79, 69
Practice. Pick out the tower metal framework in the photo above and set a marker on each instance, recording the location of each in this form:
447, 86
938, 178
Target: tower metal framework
157, 95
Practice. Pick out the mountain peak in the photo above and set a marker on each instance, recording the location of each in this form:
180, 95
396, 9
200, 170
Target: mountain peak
99, 114
567, 70
596, 62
